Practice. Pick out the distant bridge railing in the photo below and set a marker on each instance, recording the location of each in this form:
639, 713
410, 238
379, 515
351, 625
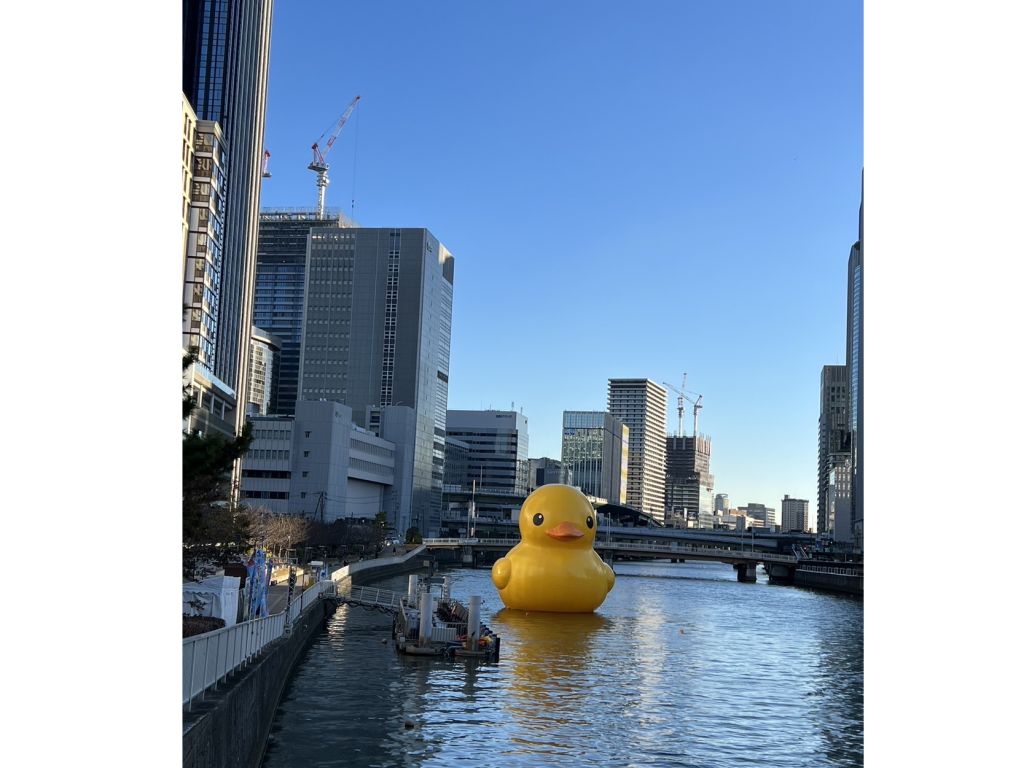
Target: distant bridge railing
670, 550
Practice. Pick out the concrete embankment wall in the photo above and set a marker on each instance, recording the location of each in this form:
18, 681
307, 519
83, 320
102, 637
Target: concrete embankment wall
832, 582
230, 727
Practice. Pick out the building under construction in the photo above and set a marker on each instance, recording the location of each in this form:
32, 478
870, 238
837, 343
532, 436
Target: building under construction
689, 485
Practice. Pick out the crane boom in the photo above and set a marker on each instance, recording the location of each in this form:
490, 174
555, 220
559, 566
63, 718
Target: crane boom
319, 164
334, 130
681, 405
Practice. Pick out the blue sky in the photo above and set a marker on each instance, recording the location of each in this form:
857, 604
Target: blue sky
643, 192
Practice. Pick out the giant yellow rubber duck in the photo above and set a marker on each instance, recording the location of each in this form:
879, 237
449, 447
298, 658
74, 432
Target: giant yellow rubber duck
554, 568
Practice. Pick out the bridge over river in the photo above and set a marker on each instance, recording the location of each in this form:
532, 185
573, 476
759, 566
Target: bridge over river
742, 551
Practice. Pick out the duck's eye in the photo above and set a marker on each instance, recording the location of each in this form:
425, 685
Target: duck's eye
590, 522
538, 519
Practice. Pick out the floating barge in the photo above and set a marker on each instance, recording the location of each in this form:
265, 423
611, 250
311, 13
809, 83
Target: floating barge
428, 625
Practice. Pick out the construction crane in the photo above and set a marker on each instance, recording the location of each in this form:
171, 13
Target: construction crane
681, 404
319, 163
266, 160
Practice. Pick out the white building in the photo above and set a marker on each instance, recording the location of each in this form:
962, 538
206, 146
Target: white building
317, 463
642, 406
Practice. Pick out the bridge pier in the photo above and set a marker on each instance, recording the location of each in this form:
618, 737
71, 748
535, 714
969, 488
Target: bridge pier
780, 574
468, 557
746, 572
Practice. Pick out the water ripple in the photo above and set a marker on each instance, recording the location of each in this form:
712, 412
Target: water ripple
682, 666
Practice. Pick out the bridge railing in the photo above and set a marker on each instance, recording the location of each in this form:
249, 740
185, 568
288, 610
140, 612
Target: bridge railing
832, 569
368, 595
669, 549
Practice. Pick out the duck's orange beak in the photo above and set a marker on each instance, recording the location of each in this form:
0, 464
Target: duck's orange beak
564, 532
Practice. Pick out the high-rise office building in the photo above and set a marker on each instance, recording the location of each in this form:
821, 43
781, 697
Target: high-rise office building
833, 436
595, 449
722, 503
225, 62
264, 361
642, 406
855, 372
688, 481
498, 443
280, 286
794, 514
376, 333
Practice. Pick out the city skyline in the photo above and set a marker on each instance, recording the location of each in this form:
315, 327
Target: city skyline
699, 196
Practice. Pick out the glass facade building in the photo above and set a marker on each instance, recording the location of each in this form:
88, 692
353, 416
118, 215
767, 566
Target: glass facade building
280, 287
595, 449
225, 62
855, 372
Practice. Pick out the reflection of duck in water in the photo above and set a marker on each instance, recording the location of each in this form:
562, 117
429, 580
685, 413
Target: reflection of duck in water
554, 568
552, 675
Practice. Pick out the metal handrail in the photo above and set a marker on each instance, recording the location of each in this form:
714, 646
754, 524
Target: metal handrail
209, 658
666, 548
831, 569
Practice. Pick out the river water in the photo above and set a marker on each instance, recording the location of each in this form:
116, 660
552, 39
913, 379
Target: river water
681, 666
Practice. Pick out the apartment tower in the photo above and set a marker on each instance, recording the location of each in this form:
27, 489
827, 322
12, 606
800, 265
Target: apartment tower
642, 406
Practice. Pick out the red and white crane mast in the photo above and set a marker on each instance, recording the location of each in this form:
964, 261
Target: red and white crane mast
319, 163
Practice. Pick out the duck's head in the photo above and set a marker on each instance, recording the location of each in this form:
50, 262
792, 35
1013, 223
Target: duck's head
558, 516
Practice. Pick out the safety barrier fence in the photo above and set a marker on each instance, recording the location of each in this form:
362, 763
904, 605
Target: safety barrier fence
831, 569
209, 658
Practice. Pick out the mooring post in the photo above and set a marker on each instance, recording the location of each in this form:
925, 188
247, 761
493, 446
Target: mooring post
446, 589
426, 616
414, 584
473, 624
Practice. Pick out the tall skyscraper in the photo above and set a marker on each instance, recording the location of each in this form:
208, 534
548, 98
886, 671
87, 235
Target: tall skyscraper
722, 502
794, 514
642, 406
280, 287
225, 62
855, 371
377, 331
498, 443
833, 436
688, 481
595, 448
